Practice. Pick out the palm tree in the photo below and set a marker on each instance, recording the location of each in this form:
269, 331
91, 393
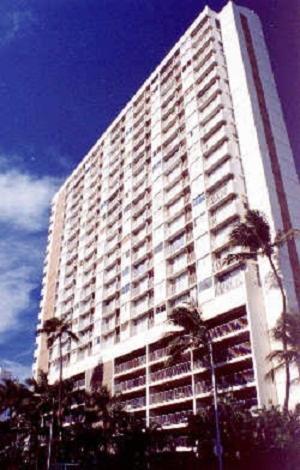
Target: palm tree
290, 328
57, 329
194, 334
254, 236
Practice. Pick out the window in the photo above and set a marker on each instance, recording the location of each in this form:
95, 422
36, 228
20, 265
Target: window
198, 199
205, 284
158, 248
125, 271
125, 289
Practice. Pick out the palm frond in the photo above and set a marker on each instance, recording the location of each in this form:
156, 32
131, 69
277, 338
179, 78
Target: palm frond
282, 237
239, 257
253, 233
271, 373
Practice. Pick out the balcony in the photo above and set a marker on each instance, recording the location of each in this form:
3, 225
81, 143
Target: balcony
142, 251
176, 207
133, 383
174, 161
158, 354
142, 234
202, 30
140, 270
220, 174
140, 204
221, 239
142, 306
232, 326
168, 105
111, 289
176, 189
131, 364
112, 258
179, 418
219, 150
214, 141
136, 223
225, 213
203, 387
231, 281
184, 284
143, 185
171, 395
221, 117
179, 243
84, 322
169, 373
222, 193
142, 288
108, 327
86, 307
236, 380
87, 293
170, 146
203, 40
113, 242
110, 308
109, 275
181, 264
134, 403
178, 224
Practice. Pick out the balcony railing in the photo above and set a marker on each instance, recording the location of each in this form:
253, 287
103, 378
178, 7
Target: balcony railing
142, 307
241, 378
226, 212
131, 364
219, 174
229, 327
232, 281
229, 188
110, 308
171, 394
134, 403
131, 383
170, 372
172, 419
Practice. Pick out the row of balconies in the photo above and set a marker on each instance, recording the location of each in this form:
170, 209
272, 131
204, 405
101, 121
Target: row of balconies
175, 266
171, 395
179, 243
181, 285
172, 419
167, 373
225, 213
130, 364
142, 306
230, 281
141, 251
143, 287
178, 187
135, 382
228, 328
202, 27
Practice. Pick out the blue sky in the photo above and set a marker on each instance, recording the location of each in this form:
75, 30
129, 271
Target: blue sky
67, 68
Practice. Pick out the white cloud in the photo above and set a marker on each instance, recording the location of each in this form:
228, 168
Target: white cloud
14, 24
19, 371
24, 208
25, 199
19, 270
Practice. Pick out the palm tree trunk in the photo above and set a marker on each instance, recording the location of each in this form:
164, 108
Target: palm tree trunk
218, 447
50, 444
60, 384
284, 339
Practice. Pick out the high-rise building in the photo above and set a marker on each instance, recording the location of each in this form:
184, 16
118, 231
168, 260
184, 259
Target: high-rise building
142, 224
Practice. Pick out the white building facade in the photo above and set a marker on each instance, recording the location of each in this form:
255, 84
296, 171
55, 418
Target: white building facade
142, 224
